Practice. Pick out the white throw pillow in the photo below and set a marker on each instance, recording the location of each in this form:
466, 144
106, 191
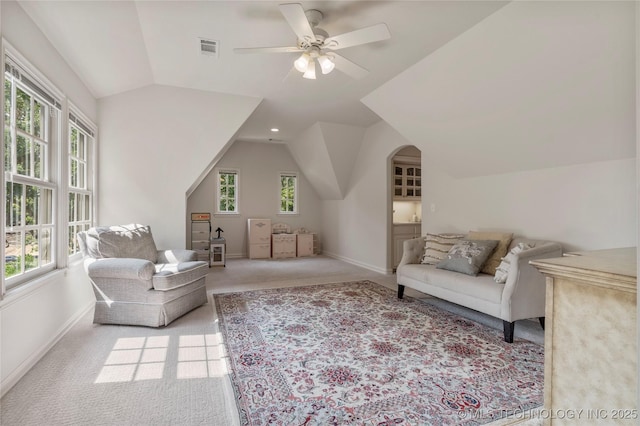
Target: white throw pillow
437, 246
503, 269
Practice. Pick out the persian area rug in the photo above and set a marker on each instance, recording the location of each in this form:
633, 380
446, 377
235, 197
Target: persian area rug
353, 354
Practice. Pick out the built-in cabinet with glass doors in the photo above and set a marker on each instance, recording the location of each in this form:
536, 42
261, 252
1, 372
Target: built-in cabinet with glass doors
407, 180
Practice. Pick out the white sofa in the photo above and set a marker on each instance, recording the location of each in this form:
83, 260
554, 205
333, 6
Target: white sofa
521, 297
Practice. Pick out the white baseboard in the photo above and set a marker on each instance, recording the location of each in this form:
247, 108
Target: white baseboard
27, 364
373, 268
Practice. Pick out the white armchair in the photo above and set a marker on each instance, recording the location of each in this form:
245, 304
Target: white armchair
136, 284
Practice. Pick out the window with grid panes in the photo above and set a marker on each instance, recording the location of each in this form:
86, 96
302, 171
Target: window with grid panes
227, 191
30, 136
81, 141
288, 193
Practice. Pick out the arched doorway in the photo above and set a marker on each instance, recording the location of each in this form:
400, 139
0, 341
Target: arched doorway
405, 200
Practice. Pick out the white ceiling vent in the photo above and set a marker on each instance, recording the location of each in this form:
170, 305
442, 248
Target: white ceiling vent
209, 47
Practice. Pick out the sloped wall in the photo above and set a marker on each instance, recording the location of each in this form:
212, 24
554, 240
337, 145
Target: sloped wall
535, 85
326, 152
343, 144
154, 143
311, 154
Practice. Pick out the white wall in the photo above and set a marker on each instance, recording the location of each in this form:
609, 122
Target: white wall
259, 165
584, 207
356, 228
35, 317
154, 144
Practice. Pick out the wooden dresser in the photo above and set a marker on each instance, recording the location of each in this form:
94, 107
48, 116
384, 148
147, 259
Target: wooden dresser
591, 337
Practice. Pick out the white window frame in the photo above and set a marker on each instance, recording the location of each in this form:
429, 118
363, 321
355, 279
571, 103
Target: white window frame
235, 172
295, 193
75, 118
49, 178
58, 176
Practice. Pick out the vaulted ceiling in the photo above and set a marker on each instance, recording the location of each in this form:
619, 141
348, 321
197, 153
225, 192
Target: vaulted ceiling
117, 46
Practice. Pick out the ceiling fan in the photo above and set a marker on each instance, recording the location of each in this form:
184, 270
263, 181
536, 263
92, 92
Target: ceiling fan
316, 45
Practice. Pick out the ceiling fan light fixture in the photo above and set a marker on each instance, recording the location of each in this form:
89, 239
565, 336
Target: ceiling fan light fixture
326, 64
310, 73
302, 63
312, 42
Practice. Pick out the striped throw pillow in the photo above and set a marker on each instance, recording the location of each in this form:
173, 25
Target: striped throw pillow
437, 246
502, 271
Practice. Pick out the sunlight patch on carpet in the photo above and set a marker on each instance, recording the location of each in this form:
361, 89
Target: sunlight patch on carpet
354, 354
201, 356
135, 359
144, 358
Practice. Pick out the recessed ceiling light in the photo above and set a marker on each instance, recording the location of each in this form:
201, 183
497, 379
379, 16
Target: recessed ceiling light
275, 129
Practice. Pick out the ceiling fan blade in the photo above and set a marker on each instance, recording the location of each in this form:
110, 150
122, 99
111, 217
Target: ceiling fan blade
349, 68
294, 14
362, 36
267, 49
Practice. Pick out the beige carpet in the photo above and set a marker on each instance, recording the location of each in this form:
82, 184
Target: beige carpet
246, 274
119, 375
